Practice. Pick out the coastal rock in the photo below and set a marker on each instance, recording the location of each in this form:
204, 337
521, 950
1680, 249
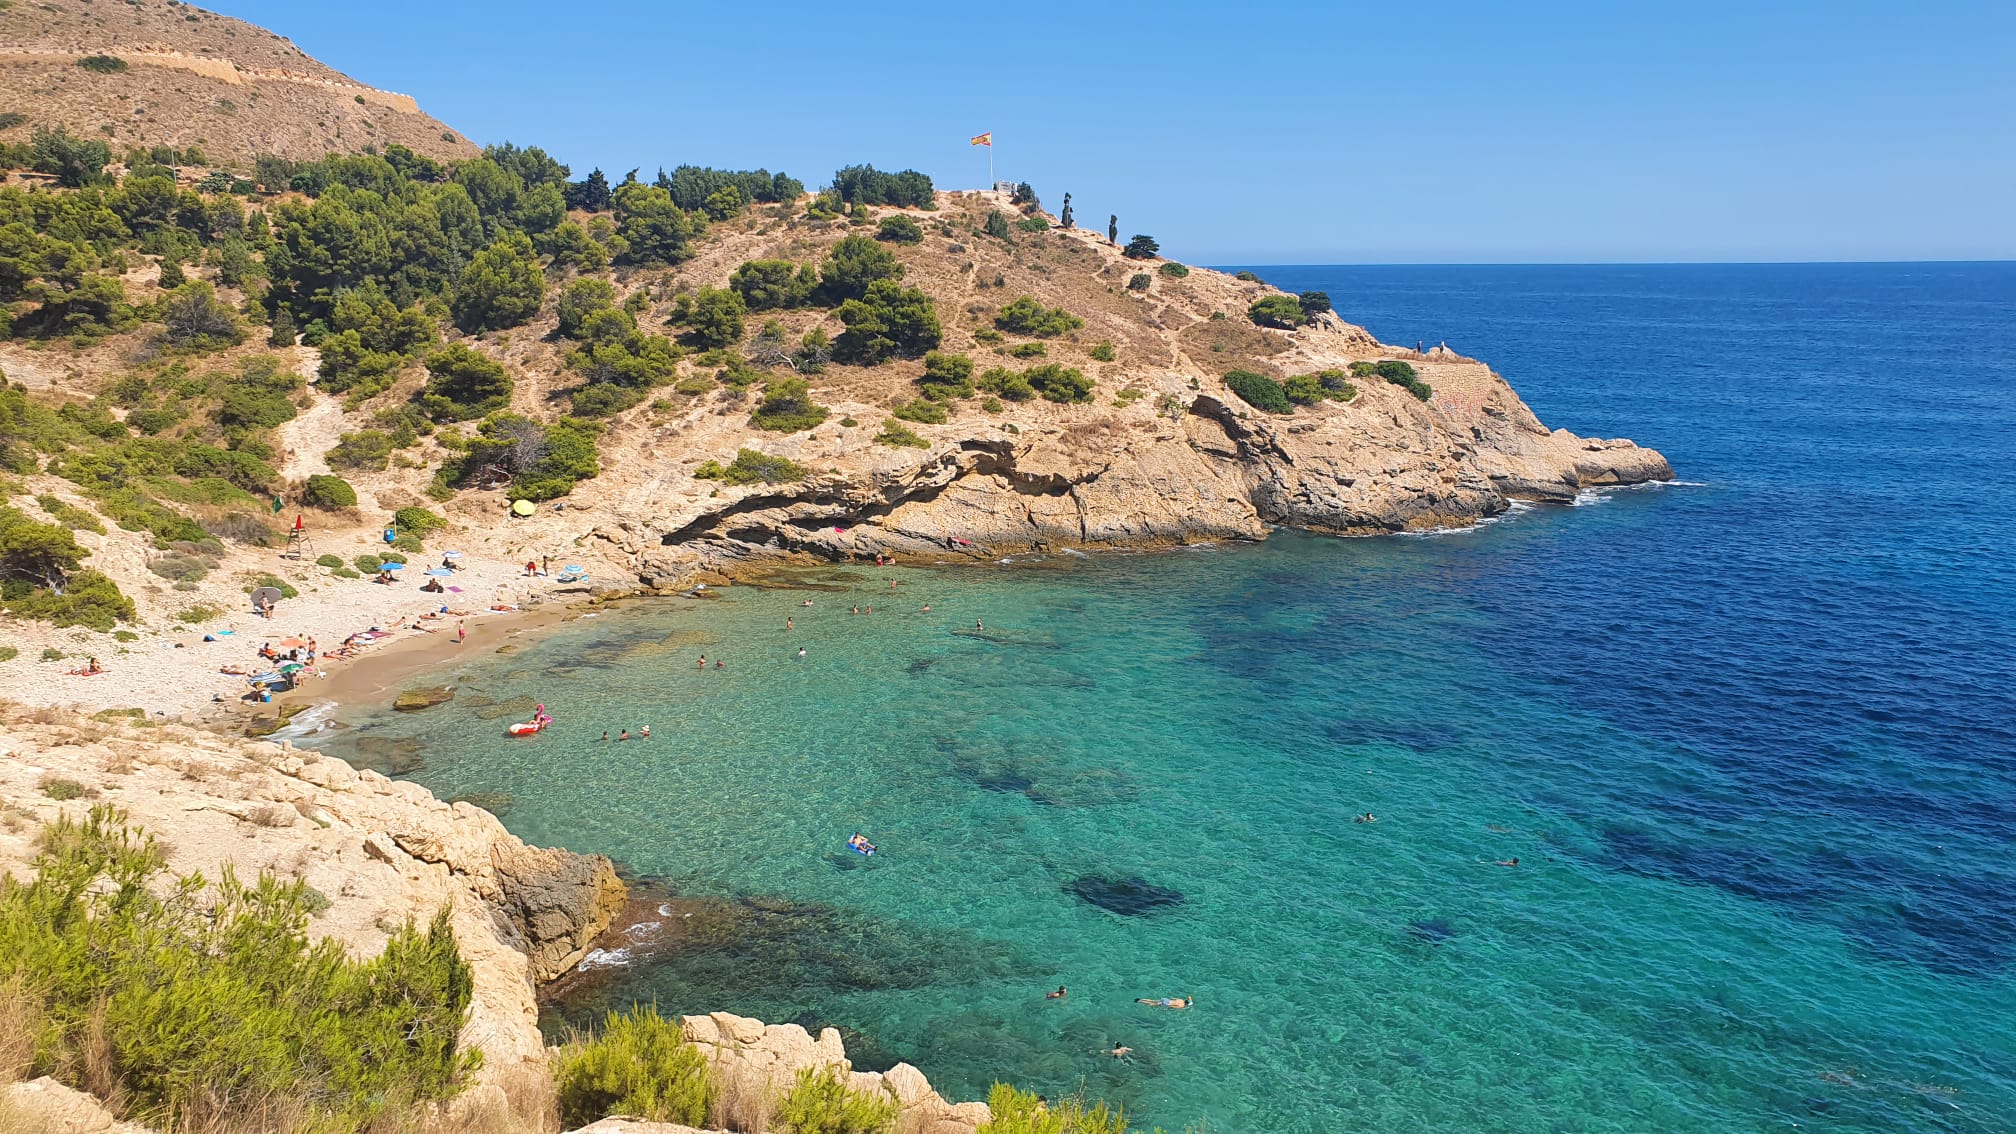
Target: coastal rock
46, 1106
754, 1060
415, 700
381, 851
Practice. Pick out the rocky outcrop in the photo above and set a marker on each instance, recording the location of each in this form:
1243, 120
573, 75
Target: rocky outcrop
1184, 466
756, 1063
382, 851
46, 1106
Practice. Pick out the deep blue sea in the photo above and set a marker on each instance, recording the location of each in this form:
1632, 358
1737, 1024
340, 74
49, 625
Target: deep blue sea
1751, 738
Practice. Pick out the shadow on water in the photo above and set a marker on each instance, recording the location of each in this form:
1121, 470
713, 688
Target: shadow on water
769, 958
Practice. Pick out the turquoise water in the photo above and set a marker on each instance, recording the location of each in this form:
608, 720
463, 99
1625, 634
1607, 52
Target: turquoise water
1749, 739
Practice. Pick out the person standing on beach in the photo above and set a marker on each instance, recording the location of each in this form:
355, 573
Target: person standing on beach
461, 632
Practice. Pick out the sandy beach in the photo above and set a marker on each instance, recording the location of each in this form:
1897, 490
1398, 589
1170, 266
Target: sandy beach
173, 670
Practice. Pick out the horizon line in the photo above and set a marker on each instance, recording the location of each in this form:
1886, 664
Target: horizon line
1594, 263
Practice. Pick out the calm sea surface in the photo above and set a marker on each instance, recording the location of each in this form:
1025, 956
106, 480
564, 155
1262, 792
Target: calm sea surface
1752, 739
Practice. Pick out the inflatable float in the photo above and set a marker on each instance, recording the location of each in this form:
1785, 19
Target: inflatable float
527, 728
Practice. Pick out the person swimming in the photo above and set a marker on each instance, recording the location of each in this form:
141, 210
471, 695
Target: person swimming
625, 736
801, 651
1057, 995
1120, 1051
1506, 862
1368, 817
646, 734
605, 734
1166, 1001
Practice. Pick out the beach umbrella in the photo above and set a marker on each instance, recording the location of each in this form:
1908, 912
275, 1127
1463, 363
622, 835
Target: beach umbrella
573, 568
521, 507
391, 566
292, 643
292, 667
451, 555
266, 596
440, 572
262, 678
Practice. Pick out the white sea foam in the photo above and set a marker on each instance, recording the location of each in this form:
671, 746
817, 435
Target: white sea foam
307, 722
605, 959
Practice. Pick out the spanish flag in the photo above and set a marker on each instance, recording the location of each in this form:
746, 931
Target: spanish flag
986, 139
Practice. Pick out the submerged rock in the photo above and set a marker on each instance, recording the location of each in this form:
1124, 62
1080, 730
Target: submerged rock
1128, 897
415, 700
1430, 931
497, 803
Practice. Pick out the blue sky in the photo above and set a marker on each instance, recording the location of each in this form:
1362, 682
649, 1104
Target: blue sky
1282, 132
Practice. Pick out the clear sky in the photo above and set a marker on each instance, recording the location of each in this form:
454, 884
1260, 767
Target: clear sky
1280, 132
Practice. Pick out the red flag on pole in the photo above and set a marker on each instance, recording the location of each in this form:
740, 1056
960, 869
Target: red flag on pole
986, 139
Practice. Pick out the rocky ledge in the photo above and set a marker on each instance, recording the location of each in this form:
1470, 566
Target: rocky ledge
380, 850
1184, 461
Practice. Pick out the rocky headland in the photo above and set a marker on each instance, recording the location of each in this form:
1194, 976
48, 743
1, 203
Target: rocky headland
383, 852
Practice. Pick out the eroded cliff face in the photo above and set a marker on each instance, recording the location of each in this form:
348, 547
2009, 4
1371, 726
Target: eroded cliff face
381, 851
1185, 461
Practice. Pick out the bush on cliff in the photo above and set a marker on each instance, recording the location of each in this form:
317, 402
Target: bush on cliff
1259, 391
638, 1066
1397, 372
1024, 1112
820, 1103
193, 1002
752, 467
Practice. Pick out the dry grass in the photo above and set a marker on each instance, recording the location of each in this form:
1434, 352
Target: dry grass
745, 1102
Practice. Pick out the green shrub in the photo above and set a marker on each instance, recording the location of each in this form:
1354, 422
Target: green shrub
1024, 316
329, 561
418, 520
852, 266
125, 636
713, 316
899, 229
408, 542
62, 790
1033, 224
368, 563
898, 436
50, 653
198, 613
1248, 277
1173, 270
464, 384
1101, 352
69, 515
820, 1103
89, 599
889, 320
1314, 303
638, 1066
1397, 372
1284, 311
1129, 396
787, 407
345, 573
1021, 1112
391, 557
768, 285
1141, 248
1056, 383
103, 64
752, 467
946, 376
922, 410
1308, 389
181, 566
9, 653
1027, 350
195, 997
991, 405
366, 449
1259, 391
1139, 281
987, 335
997, 225
328, 492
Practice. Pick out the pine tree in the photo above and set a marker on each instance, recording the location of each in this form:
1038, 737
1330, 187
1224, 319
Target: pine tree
1064, 220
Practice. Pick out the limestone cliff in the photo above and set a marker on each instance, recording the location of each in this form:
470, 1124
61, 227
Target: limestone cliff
381, 851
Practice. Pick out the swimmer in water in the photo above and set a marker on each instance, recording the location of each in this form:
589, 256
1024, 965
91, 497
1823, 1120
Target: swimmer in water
605, 734
927, 608
807, 602
1368, 817
703, 661
1506, 862
801, 651
859, 842
718, 663
646, 734
1120, 1051
1057, 995
979, 625
1167, 1001
625, 736
787, 624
